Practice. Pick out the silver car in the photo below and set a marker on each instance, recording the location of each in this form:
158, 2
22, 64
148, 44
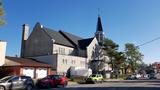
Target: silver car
16, 83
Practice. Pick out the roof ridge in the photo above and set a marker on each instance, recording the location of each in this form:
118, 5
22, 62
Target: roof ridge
61, 32
73, 38
58, 37
71, 34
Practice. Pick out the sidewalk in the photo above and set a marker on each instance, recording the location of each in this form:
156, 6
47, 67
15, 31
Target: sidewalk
72, 83
113, 79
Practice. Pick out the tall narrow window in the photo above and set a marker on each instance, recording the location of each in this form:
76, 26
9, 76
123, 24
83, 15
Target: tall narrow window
63, 61
70, 52
66, 61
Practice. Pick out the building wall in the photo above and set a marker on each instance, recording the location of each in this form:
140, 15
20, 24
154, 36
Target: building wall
10, 63
82, 53
64, 62
18, 70
2, 52
64, 50
156, 67
61, 63
91, 48
38, 43
49, 59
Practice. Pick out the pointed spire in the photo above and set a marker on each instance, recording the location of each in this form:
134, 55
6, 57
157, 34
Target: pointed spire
99, 31
99, 24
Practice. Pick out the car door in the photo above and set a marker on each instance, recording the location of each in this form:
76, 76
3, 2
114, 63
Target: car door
16, 83
54, 80
21, 82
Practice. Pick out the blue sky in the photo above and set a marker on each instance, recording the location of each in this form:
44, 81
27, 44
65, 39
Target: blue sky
134, 21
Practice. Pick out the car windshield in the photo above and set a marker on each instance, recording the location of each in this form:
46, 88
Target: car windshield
47, 77
56, 76
6, 78
93, 75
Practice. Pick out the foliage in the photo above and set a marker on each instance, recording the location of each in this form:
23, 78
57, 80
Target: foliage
117, 58
133, 57
110, 48
127, 62
2, 21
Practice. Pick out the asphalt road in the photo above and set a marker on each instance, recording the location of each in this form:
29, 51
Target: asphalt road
115, 85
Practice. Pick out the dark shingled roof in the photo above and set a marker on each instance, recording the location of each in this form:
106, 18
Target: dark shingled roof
59, 38
25, 62
67, 39
84, 43
72, 38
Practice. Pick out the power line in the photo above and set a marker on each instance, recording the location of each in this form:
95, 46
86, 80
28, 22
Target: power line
148, 42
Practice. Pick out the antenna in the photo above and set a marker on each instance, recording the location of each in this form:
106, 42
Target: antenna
98, 12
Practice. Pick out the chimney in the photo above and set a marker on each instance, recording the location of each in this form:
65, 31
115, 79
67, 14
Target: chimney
25, 32
3, 45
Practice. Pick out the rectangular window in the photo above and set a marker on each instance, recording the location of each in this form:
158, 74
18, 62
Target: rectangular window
63, 61
70, 52
59, 50
62, 51
66, 61
73, 62
82, 62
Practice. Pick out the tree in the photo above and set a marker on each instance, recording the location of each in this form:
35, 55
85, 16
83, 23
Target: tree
118, 63
111, 48
98, 62
2, 21
133, 56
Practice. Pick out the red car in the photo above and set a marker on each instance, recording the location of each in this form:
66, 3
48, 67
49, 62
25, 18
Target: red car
52, 81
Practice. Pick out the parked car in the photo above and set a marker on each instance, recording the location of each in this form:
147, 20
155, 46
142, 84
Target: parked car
144, 77
152, 76
52, 81
131, 77
95, 78
16, 83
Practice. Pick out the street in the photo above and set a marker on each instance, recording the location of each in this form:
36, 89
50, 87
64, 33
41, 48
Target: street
115, 85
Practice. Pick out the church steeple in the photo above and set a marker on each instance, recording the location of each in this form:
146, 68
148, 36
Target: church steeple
99, 24
99, 31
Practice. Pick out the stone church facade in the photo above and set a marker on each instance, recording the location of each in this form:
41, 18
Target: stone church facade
60, 49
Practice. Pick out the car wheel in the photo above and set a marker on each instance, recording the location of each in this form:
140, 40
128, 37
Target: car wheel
65, 84
101, 81
49, 85
2, 88
29, 87
95, 81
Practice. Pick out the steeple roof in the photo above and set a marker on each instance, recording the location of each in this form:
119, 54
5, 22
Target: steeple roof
99, 24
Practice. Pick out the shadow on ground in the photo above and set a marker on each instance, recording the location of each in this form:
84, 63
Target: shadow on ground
136, 81
108, 88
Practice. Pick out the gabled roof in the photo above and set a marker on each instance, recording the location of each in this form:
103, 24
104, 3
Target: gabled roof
59, 38
65, 38
15, 61
84, 43
72, 38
